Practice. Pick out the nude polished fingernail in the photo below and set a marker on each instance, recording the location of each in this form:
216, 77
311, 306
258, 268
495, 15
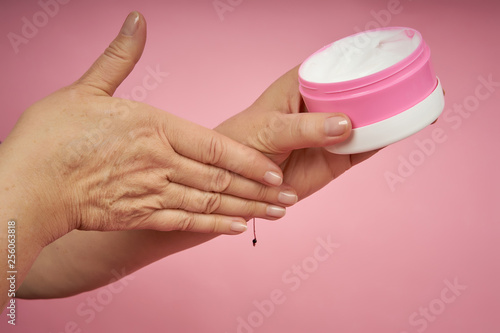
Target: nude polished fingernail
335, 126
130, 25
273, 178
275, 211
287, 198
238, 226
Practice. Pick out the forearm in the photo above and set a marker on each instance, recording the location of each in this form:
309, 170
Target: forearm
85, 260
18, 253
21, 237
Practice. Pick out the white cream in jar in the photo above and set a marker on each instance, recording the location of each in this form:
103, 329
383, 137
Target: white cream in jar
360, 55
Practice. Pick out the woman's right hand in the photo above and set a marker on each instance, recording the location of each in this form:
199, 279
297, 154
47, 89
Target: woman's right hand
81, 159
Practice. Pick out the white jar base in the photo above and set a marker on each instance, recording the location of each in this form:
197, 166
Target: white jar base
396, 128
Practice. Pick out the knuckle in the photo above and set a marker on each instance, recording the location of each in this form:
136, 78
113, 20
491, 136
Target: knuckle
187, 222
182, 200
118, 51
299, 128
215, 226
221, 181
216, 151
211, 203
277, 123
266, 137
262, 193
249, 208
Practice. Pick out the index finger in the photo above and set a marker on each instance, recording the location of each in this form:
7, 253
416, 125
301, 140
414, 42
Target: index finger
207, 146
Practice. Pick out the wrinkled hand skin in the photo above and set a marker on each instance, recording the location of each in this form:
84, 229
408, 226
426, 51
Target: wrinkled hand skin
282, 128
109, 165
85, 160
80, 159
96, 170
114, 161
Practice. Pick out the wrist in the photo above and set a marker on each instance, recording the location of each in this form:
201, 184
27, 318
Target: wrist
21, 235
24, 199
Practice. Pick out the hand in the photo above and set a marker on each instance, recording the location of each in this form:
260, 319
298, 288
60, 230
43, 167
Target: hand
84, 160
278, 125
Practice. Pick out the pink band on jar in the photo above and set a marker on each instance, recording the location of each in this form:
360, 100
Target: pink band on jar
377, 96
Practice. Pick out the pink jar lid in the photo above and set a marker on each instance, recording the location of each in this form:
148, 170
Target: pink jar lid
372, 98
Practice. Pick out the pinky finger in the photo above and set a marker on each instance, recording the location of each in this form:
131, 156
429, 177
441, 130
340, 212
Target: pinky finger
176, 219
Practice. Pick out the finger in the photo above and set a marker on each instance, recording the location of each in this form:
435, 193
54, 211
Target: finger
173, 219
119, 59
178, 196
209, 147
283, 195
286, 132
213, 179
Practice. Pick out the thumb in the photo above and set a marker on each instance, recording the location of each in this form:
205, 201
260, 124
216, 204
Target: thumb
303, 130
119, 59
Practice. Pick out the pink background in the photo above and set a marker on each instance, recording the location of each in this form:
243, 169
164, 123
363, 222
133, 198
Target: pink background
398, 246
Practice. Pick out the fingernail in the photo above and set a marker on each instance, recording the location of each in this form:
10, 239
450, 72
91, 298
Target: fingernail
130, 25
335, 126
275, 211
273, 178
287, 198
238, 227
